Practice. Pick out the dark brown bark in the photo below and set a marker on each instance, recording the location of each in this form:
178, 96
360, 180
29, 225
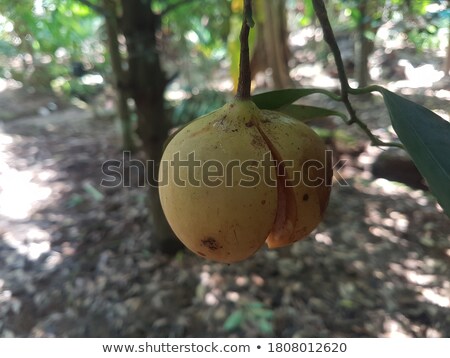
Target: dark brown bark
147, 83
447, 57
362, 49
244, 81
110, 11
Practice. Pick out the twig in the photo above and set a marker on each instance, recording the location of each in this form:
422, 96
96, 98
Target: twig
328, 35
321, 12
244, 81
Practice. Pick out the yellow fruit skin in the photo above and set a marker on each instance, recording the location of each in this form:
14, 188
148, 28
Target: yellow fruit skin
229, 222
222, 223
295, 141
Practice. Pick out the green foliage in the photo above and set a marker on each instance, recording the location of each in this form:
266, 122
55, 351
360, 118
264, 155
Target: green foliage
252, 314
424, 134
195, 106
197, 27
276, 99
367, 13
419, 20
307, 14
281, 102
426, 137
52, 33
306, 113
52, 24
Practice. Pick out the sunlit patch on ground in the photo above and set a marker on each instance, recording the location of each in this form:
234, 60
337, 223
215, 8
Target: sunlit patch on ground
22, 193
19, 194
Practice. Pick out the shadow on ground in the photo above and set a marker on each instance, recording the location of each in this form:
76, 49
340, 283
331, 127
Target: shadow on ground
76, 259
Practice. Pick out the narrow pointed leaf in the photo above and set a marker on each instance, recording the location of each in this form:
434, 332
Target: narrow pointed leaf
277, 99
234, 320
426, 137
265, 326
306, 113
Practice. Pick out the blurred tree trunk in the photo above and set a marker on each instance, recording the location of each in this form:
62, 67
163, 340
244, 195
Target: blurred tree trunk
119, 74
271, 50
146, 85
447, 59
363, 47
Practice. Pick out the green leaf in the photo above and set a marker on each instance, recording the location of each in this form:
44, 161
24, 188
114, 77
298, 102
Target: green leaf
262, 313
308, 13
234, 320
93, 192
253, 305
426, 137
306, 113
265, 326
277, 99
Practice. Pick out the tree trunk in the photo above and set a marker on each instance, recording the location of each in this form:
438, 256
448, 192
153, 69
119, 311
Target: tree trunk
447, 59
147, 83
271, 50
362, 49
119, 75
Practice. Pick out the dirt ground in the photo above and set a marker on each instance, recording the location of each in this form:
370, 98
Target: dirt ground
76, 258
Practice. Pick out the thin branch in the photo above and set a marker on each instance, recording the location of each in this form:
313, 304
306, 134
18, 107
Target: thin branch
321, 12
173, 6
328, 35
94, 7
244, 81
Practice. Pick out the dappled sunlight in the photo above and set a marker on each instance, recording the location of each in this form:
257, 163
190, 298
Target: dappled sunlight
434, 295
416, 77
444, 94
223, 290
323, 238
406, 243
394, 329
20, 194
34, 243
84, 260
402, 327
432, 288
3, 84
211, 283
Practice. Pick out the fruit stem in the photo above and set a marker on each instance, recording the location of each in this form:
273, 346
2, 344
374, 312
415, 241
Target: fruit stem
244, 81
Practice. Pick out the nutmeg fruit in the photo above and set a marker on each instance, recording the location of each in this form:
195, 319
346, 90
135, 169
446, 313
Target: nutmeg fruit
240, 177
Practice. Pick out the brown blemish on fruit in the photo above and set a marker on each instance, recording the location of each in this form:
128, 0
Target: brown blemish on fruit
258, 141
263, 202
201, 253
249, 124
210, 243
305, 197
